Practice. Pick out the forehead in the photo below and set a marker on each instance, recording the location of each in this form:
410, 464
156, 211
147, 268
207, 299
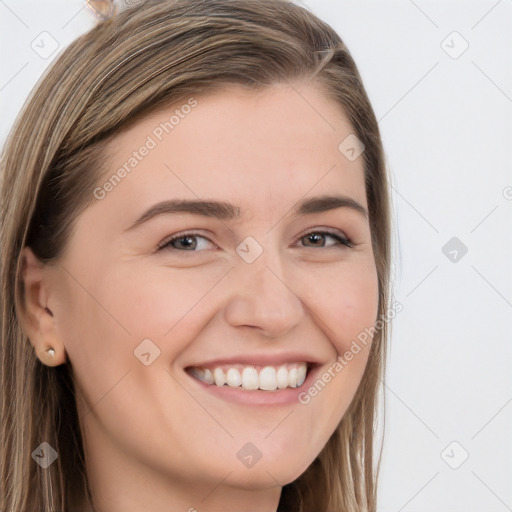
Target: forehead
266, 148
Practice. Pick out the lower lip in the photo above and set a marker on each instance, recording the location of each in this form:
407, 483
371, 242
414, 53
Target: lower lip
243, 396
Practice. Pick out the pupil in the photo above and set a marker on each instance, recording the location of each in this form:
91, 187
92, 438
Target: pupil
315, 237
187, 241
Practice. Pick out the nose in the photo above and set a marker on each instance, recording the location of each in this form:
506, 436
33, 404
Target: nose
262, 298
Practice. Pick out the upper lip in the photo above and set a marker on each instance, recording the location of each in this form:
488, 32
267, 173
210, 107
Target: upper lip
258, 360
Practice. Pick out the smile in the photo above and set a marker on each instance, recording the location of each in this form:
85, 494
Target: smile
251, 377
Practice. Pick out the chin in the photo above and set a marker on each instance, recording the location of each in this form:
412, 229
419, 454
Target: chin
273, 471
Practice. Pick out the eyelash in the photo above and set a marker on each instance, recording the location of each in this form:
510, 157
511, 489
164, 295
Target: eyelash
166, 244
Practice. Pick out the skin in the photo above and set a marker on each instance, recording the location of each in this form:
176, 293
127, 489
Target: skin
154, 440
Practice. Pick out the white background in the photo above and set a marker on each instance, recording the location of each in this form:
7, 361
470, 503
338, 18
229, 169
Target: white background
446, 121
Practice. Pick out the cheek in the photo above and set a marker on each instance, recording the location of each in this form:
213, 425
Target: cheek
157, 300
109, 320
346, 302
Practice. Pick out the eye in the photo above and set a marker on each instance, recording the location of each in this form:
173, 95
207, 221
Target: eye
193, 242
190, 242
318, 238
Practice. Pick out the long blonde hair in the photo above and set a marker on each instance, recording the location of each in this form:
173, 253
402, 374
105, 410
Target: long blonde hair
146, 57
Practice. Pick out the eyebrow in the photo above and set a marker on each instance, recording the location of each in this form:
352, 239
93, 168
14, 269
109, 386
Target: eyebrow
227, 211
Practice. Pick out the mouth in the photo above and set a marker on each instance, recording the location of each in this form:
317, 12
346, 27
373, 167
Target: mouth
267, 378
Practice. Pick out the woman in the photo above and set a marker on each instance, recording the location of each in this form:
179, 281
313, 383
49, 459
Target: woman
195, 267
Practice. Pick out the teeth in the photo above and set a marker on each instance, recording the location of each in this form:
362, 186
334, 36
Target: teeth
204, 374
269, 378
233, 378
250, 378
282, 377
208, 377
292, 378
218, 375
301, 375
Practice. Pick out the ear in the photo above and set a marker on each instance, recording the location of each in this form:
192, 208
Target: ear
38, 321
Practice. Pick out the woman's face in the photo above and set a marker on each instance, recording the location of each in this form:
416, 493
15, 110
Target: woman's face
256, 285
